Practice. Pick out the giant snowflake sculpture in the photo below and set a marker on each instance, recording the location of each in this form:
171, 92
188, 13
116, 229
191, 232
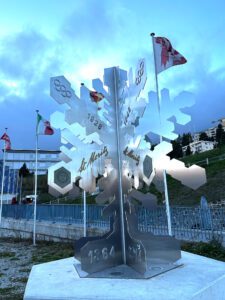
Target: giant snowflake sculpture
104, 145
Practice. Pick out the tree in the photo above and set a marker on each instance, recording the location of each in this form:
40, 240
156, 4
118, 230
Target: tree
211, 139
223, 138
186, 139
203, 136
219, 134
177, 149
23, 172
188, 151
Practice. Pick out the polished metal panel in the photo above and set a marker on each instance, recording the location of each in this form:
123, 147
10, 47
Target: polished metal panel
147, 166
103, 253
104, 147
62, 177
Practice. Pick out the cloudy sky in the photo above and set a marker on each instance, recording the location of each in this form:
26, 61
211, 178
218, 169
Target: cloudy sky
79, 38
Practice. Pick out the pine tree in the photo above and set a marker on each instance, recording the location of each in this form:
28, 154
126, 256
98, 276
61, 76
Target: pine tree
219, 133
188, 151
203, 137
186, 139
223, 138
177, 149
23, 172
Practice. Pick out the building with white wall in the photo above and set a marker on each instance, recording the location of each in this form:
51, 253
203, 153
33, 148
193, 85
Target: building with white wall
211, 132
16, 158
199, 146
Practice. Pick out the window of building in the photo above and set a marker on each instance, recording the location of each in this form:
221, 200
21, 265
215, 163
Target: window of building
42, 165
9, 156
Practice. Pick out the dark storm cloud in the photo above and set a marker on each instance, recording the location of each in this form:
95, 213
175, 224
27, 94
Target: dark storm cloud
21, 53
96, 30
28, 59
206, 85
209, 91
210, 99
100, 26
93, 27
21, 122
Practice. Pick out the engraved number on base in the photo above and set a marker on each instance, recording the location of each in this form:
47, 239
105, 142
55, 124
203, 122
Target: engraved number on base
101, 254
134, 252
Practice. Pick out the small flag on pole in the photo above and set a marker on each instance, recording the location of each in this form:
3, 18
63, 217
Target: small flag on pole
96, 97
165, 55
43, 126
6, 138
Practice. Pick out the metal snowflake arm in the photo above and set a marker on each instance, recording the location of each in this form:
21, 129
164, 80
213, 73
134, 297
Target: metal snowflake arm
160, 123
133, 106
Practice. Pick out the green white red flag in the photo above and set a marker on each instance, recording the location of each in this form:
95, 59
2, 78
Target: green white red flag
43, 126
6, 138
165, 55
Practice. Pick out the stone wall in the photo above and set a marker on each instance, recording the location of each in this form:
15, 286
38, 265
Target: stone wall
46, 231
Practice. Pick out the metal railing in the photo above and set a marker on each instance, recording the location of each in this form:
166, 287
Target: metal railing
188, 223
208, 160
68, 214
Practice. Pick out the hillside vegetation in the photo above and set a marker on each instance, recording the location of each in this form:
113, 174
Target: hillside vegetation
213, 190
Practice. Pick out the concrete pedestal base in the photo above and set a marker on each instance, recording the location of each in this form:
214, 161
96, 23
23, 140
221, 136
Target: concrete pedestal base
198, 278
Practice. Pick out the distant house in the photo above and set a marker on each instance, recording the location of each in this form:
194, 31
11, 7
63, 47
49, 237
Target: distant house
211, 132
199, 146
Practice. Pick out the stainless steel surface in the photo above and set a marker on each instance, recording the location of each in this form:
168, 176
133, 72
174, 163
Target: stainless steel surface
119, 162
104, 146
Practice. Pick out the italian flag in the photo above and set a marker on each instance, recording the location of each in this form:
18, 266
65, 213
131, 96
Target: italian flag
43, 126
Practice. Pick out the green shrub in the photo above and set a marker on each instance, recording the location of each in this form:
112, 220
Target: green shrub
214, 249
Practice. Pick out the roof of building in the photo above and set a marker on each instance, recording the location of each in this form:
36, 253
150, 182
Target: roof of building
32, 151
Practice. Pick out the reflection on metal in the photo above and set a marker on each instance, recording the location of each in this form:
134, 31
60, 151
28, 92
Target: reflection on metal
62, 177
104, 146
206, 218
147, 166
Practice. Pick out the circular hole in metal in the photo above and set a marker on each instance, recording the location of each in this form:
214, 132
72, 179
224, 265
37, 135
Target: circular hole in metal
116, 273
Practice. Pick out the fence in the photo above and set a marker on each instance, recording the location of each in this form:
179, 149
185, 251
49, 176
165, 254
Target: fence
208, 160
68, 214
188, 223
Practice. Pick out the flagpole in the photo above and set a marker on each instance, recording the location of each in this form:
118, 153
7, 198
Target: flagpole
164, 171
35, 187
85, 213
17, 183
13, 185
8, 187
3, 178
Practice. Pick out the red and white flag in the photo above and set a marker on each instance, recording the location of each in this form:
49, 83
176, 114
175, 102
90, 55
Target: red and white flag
6, 138
165, 55
96, 96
